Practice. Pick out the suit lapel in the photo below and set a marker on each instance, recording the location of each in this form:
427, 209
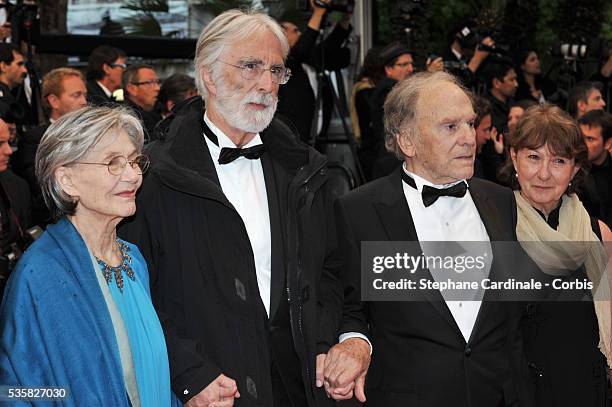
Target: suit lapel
488, 215
397, 221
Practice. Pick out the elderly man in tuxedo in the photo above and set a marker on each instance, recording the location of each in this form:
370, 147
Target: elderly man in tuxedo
236, 224
434, 351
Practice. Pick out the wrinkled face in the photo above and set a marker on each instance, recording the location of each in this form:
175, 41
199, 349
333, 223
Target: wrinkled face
444, 139
543, 176
15, 72
403, 68
507, 87
292, 32
247, 104
594, 102
72, 97
514, 115
595, 143
144, 88
532, 64
114, 72
101, 194
5, 147
483, 131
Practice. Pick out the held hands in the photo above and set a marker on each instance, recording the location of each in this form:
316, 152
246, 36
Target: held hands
220, 393
344, 369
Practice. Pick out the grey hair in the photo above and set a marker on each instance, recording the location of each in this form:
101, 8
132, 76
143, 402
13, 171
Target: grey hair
402, 103
68, 139
228, 27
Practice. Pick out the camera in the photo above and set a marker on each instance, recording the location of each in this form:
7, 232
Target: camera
10, 254
343, 6
596, 49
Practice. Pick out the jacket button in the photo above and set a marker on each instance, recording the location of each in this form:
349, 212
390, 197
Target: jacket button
251, 388
323, 171
185, 392
468, 351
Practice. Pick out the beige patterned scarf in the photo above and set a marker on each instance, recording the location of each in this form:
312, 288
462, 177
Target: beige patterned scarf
567, 248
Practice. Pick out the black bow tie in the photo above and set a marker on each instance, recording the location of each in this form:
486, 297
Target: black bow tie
430, 195
228, 155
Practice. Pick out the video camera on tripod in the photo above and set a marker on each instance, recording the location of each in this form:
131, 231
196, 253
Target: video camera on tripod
25, 23
343, 6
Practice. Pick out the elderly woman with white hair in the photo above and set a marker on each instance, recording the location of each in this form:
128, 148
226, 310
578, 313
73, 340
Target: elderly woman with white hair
77, 314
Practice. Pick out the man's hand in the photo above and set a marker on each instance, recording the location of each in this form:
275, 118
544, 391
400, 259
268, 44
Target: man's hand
220, 393
606, 69
5, 31
317, 15
434, 65
320, 377
498, 141
346, 366
480, 54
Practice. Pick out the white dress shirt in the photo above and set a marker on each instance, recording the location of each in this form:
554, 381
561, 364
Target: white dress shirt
448, 219
243, 183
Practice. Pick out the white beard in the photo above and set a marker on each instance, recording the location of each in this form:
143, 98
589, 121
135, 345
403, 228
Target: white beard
239, 114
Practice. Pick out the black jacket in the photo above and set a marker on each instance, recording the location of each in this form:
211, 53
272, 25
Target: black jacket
96, 95
24, 163
203, 279
296, 99
420, 357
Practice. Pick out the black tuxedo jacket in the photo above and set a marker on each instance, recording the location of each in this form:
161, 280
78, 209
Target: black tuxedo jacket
420, 357
96, 95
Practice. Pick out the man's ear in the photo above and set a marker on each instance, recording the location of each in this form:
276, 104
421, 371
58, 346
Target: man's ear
581, 105
208, 81
608, 144
106, 68
406, 144
388, 71
53, 101
496, 83
65, 178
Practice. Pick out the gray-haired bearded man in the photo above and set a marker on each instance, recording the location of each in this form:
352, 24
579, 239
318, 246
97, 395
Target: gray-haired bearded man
234, 221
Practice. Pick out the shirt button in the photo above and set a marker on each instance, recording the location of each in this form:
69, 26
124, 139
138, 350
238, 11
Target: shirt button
468, 351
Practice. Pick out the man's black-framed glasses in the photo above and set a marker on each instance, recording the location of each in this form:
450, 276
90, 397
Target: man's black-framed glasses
252, 70
152, 82
114, 65
116, 165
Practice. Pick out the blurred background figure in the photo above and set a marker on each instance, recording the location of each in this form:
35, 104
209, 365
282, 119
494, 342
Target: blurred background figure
174, 90
63, 91
141, 86
308, 62
104, 69
586, 96
531, 84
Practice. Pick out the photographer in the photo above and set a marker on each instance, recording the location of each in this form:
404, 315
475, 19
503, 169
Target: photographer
297, 98
466, 53
14, 207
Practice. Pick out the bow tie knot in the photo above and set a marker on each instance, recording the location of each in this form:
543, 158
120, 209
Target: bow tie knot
430, 194
228, 154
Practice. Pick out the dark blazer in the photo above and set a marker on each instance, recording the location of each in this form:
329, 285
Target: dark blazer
24, 162
201, 265
296, 99
420, 357
96, 95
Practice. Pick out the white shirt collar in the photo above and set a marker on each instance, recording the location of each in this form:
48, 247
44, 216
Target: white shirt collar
224, 141
105, 89
420, 181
